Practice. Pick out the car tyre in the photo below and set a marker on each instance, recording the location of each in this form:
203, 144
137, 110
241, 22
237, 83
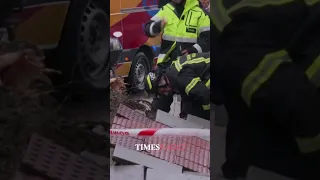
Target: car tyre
139, 69
79, 57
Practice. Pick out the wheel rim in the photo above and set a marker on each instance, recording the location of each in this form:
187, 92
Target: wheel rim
98, 41
140, 73
98, 44
94, 44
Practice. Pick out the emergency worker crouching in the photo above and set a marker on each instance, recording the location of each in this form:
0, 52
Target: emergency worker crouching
188, 76
185, 29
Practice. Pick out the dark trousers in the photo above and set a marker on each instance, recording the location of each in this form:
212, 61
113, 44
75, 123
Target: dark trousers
162, 103
236, 150
270, 146
194, 108
253, 144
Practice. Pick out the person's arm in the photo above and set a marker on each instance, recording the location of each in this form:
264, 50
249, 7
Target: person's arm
194, 88
203, 43
154, 26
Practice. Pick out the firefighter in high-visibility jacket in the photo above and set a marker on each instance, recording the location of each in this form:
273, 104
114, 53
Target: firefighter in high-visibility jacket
188, 76
266, 63
185, 29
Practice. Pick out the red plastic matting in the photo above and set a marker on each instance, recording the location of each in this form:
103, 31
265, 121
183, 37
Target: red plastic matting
196, 156
59, 163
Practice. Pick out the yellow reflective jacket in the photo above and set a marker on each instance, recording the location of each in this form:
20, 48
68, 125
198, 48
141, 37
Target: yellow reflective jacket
190, 31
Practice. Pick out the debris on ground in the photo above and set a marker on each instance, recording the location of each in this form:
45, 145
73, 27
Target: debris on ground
174, 163
135, 172
56, 162
24, 101
20, 116
27, 107
116, 98
119, 95
117, 84
22, 67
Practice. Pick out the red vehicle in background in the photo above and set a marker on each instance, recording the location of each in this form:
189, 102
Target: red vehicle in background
74, 35
127, 20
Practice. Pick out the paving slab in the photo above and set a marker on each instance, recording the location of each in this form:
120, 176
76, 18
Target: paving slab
178, 98
195, 173
172, 110
176, 108
111, 155
133, 172
175, 122
205, 124
153, 174
57, 162
24, 176
255, 173
146, 160
100, 160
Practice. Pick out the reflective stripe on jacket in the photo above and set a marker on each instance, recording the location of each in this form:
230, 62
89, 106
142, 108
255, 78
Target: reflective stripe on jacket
270, 63
184, 76
191, 30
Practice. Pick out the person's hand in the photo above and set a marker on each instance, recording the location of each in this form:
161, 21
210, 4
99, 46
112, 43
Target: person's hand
189, 51
185, 52
163, 23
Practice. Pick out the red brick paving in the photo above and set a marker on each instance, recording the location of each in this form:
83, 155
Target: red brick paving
196, 156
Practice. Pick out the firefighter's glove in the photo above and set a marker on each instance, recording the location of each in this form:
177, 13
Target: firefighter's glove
160, 68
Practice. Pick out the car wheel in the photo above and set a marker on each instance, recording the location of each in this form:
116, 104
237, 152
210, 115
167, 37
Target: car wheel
83, 49
94, 46
138, 71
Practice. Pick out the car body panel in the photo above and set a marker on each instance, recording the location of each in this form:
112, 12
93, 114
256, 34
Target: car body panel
41, 22
129, 18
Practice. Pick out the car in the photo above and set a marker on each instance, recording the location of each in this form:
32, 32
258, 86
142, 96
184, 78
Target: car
127, 19
139, 56
74, 34
80, 40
